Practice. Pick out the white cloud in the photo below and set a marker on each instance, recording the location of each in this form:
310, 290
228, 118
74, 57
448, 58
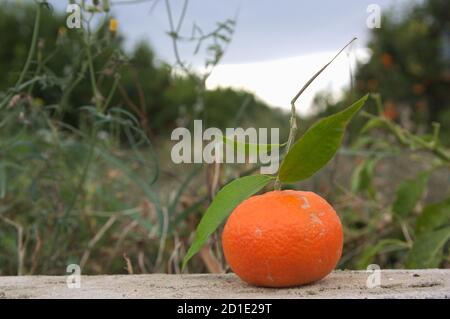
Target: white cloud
277, 81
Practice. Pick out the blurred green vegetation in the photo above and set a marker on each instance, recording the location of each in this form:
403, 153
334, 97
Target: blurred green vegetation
147, 89
401, 178
85, 170
67, 166
409, 67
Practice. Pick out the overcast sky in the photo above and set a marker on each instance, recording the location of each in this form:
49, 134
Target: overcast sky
266, 30
277, 45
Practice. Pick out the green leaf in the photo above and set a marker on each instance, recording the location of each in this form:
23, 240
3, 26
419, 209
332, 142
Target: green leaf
433, 216
373, 123
367, 256
361, 142
250, 149
362, 177
427, 249
318, 145
408, 194
230, 196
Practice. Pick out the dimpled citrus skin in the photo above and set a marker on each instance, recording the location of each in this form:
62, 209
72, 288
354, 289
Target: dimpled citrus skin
283, 238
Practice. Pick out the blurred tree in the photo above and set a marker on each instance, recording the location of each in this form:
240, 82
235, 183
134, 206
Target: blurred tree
147, 88
16, 24
409, 65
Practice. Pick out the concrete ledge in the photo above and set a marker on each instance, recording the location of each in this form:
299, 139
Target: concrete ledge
430, 283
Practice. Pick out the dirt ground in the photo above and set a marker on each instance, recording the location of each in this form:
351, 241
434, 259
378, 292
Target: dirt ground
431, 283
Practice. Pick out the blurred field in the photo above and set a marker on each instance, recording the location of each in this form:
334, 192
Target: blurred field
85, 169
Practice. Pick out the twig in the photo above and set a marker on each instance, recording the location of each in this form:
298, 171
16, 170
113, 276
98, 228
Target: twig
162, 240
211, 263
129, 267
36, 251
111, 93
293, 119
37, 23
406, 234
141, 262
174, 258
67, 92
406, 138
140, 111
31, 52
21, 247
182, 15
123, 234
173, 36
96, 238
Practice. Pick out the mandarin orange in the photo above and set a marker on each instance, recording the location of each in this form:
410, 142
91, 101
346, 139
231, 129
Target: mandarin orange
283, 238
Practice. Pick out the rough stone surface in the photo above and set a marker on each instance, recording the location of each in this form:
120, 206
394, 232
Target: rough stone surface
431, 283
